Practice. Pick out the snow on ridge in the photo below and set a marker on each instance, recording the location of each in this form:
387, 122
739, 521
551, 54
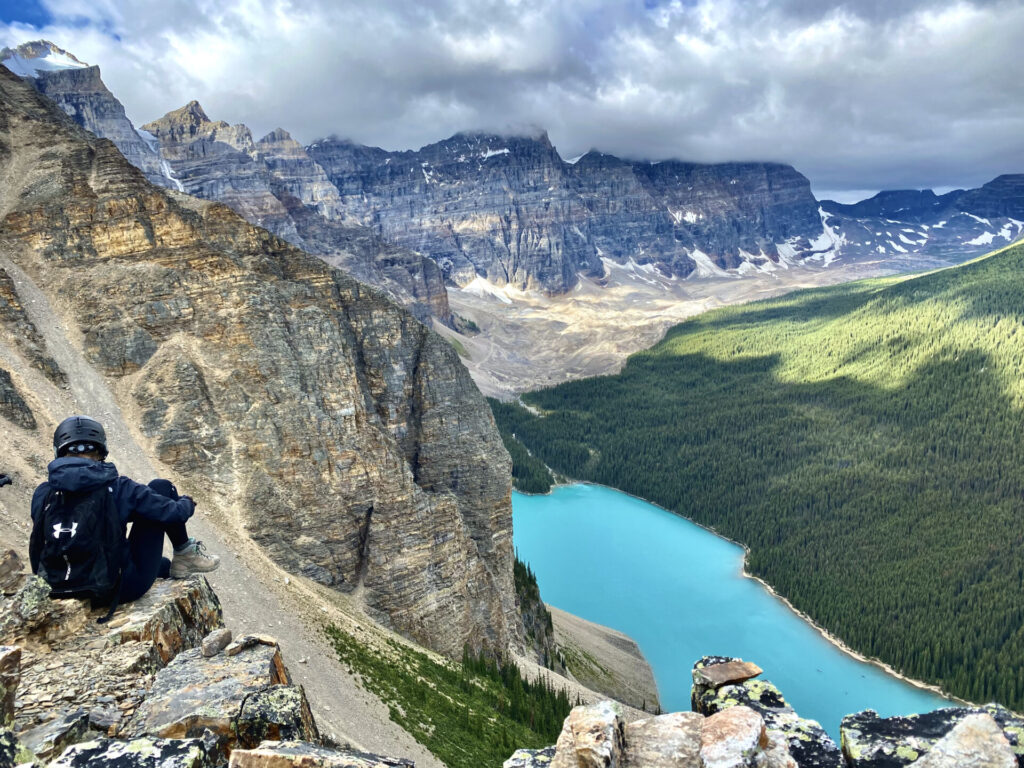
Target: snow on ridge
705, 266
985, 238
492, 152
480, 286
51, 60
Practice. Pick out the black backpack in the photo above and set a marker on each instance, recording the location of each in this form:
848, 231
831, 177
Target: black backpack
78, 545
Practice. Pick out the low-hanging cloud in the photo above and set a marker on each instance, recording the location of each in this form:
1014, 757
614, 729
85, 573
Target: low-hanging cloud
857, 95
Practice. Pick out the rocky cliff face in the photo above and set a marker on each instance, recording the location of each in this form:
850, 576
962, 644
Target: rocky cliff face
511, 210
345, 435
80, 92
275, 184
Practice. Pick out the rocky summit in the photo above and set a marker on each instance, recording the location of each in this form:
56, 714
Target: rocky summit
311, 414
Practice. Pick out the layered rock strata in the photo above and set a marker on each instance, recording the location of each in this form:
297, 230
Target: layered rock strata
511, 210
274, 183
345, 436
81, 93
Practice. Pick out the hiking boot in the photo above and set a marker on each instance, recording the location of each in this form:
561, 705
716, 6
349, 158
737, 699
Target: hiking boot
193, 559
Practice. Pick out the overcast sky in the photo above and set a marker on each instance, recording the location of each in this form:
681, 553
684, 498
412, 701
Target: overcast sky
858, 95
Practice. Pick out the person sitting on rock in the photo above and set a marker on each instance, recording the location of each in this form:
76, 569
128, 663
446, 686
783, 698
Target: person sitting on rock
76, 474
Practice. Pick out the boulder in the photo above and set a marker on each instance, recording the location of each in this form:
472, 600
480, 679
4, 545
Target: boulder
241, 699
977, 741
31, 616
10, 676
808, 743
717, 675
49, 740
303, 754
732, 738
665, 741
870, 741
140, 753
593, 736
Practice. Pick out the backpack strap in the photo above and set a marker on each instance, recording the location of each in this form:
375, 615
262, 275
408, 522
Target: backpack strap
116, 601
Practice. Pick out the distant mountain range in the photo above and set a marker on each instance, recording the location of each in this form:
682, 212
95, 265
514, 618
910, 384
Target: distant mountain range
510, 211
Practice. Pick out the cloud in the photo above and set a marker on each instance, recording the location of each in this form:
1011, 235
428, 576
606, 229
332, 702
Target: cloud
856, 95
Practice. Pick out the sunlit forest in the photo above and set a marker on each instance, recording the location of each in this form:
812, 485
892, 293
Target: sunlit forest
864, 441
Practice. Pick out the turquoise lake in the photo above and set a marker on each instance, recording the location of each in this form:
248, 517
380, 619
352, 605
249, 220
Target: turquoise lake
678, 590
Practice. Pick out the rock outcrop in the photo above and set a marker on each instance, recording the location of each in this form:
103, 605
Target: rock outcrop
81, 93
344, 435
870, 741
140, 692
721, 683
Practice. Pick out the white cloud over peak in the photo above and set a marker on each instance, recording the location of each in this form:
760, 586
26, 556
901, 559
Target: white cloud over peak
856, 95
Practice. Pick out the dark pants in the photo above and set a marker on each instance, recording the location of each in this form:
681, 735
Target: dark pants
145, 555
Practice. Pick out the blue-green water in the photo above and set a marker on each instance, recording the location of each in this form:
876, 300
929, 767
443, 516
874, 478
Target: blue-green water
678, 590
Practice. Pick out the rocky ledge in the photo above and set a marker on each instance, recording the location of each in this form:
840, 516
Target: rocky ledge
739, 721
159, 686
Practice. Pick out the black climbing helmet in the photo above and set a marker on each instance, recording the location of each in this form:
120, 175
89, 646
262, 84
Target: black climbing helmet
76, 431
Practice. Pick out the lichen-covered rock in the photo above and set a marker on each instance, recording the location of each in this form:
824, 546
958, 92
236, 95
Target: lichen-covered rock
530, 758
975, 742
141, 753
107, 668
12, 751
870, 741
10, 677
303, 754
31, 616
593, 736
242, 699
278, 713
666, 741
808, 743
49, 740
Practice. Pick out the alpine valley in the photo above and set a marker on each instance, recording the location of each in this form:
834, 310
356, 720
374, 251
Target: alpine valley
301, 336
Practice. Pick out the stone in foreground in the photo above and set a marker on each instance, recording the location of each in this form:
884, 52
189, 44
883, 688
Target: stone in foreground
216, 641
977, 741
50, 739
807, 742
592, 737
241, 699
732, 738
303, 754
870, 741
139, 753
12, 752
665, 741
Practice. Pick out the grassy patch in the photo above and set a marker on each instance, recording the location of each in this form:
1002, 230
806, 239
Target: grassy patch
472, 714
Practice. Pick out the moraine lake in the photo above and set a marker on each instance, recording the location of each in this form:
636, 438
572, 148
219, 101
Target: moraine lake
678, 590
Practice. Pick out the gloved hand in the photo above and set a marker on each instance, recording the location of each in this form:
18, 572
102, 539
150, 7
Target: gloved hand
192, 502
5, 480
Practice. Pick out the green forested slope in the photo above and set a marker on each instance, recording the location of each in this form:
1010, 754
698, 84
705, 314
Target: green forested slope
864, 440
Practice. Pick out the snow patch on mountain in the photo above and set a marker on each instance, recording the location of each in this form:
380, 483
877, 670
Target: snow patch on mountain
29, 59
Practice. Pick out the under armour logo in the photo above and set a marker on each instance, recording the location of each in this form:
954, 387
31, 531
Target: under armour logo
58, 530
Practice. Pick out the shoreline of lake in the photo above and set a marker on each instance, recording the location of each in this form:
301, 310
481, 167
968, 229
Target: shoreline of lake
824, 633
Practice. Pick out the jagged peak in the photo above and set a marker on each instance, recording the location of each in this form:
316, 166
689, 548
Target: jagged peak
31, 58
276, 135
